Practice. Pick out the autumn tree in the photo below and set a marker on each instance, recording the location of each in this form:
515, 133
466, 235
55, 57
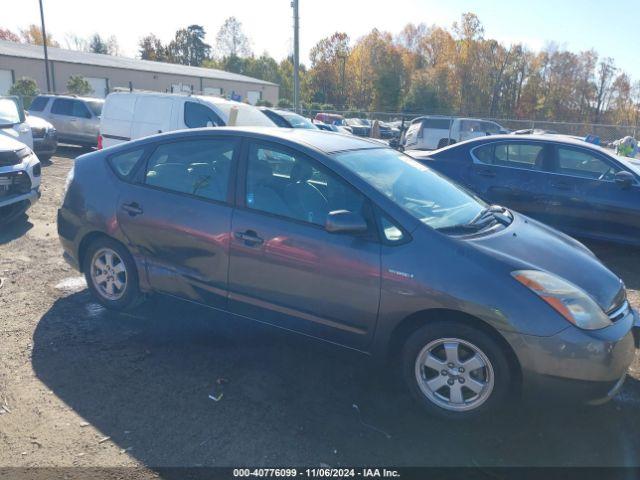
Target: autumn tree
151, 48
33, 35
328, 66
6, 34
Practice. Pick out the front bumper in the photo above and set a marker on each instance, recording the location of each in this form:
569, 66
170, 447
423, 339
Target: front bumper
576, 365
46, 146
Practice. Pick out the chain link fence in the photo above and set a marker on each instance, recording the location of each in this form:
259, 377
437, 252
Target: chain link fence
604, 132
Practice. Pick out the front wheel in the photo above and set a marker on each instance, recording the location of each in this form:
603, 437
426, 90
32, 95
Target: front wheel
111, 274
455, 371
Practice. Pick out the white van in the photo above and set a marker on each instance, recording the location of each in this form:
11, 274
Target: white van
431, 133
13, 122
131, 115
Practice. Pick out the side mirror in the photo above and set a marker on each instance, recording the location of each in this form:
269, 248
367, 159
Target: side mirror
624, 179
344, 221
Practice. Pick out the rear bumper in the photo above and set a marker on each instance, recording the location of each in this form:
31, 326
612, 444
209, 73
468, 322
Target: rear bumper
576, 365
68, 233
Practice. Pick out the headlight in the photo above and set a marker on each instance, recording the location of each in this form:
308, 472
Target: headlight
567, 299
24, 153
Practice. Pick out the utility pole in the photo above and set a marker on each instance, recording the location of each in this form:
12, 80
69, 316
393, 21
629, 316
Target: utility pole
296, 56
44, 42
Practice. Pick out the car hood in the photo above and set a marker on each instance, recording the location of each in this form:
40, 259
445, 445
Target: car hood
528, 244
37, 122
9, 140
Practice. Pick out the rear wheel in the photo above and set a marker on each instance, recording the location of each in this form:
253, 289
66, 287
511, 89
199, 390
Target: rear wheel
111, 274
455, 371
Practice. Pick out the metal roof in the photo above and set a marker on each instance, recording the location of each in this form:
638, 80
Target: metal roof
13, 49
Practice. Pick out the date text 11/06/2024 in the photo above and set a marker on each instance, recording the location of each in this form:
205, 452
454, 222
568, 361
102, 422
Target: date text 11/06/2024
316, 472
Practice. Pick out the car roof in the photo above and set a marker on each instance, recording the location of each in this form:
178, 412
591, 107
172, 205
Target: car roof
548, 138
326, 142
72, 97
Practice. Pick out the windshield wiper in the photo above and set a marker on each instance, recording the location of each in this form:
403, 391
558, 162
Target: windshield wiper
485, 219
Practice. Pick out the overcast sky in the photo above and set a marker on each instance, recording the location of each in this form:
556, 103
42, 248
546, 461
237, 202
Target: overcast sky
612, 28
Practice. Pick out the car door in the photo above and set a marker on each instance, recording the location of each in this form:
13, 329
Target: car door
177, 216
61, 110
587, 201
514, 174
285, 268
80, 122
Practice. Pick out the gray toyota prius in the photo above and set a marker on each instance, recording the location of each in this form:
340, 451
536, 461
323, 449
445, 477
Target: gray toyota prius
342, 239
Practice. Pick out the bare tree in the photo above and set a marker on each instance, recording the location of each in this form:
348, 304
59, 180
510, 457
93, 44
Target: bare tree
231, 40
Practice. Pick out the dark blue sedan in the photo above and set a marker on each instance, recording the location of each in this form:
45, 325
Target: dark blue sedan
577, 187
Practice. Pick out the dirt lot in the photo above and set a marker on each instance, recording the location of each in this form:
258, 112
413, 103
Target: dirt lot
80, 386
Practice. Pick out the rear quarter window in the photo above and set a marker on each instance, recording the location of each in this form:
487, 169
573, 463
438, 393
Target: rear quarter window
124, 163
39, 104
436, 123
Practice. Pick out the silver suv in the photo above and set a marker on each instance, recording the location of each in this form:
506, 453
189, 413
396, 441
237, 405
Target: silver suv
76, 119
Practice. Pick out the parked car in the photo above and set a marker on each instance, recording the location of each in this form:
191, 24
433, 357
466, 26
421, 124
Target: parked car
431, 133
575, 186
388, 131
76, 119
329, 118
132, 115
341, 239
45, 137
287, 119
332, 128
19, 178
359, 126
13, 121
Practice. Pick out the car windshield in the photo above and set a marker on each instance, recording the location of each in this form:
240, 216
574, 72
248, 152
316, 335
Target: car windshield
248, 116
298, 121
426, 195
9, 113
96, 107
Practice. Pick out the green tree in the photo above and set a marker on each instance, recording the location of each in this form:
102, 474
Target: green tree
26, 88
78, 85
151, 48
188, 46
98, 45
328, 68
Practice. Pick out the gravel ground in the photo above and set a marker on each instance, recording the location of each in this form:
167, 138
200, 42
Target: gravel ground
80, 386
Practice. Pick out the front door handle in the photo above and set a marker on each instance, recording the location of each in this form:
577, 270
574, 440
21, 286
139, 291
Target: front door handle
249, 237
132, 209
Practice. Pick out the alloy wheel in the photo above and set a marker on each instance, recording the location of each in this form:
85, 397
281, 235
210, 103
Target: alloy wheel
108, 274
454, 374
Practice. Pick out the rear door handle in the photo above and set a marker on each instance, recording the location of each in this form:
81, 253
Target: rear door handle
249, 237
132, 209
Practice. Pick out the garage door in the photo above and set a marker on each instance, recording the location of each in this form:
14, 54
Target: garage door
253, 97
99, 86
213, 91
6, 81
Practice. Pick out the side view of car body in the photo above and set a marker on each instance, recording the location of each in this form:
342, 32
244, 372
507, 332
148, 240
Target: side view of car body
575, 186
351, 242
76, 119
132, 115
431, 133
19, 178
45, 137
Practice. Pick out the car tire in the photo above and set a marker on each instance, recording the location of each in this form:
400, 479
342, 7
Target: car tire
434, 358
111, 274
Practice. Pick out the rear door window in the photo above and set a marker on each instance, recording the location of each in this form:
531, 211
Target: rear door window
530, 156
436, 123
195, 167
62, 106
